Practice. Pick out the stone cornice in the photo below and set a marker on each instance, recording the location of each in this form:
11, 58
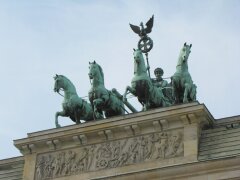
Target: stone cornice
110, 129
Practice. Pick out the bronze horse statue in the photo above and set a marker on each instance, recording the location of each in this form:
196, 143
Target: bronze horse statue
149, 95
73, 106
102, 100
183, 88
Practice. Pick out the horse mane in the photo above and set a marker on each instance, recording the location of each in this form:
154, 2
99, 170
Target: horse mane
64, 77
68, 80
101, 72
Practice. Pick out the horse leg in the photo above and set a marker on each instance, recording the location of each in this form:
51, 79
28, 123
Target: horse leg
77, 118
146, 106
128, 89
97, 114
96, 103
193, 92
175, 94
125, 94
186, 93
61, 113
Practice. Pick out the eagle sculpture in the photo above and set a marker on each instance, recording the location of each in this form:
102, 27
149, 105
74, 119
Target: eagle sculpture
141, 31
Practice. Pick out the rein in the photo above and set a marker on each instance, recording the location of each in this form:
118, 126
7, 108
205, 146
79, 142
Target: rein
90, 81
60, 93
64, 96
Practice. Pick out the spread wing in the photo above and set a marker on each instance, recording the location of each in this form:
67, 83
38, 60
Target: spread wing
136, 29
149, 25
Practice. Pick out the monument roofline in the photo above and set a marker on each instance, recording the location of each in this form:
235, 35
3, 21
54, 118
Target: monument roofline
164, 112
158, 119
153, 143
227, 120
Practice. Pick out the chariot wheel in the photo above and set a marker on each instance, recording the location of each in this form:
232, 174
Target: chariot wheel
145, 44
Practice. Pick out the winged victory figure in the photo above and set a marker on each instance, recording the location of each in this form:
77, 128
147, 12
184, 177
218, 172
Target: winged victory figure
140, 30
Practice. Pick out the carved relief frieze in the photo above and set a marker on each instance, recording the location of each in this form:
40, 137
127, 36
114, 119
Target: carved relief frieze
110, 154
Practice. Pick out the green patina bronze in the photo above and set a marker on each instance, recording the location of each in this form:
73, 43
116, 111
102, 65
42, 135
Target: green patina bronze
73, 106
149, 96
145, 44
151, 93
163, 84
159, 81
102, 100
183, 88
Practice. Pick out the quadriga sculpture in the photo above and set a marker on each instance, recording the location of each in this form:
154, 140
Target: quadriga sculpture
141, 85
183, 88
102, 99
73, 106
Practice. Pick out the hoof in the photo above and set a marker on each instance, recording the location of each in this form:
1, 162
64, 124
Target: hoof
58, 126
124, 99
185, 101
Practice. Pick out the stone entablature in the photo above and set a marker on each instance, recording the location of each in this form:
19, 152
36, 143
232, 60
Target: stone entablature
111, 154
121, 144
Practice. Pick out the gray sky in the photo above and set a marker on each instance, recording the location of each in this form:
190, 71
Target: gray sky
41, 38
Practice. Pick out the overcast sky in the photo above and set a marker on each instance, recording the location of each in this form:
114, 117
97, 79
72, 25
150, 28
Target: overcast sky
41, 38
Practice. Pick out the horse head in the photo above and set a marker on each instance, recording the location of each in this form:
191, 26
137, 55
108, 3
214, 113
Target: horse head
184, 53
62, 82
95, 72
138, 57
139, 64
73, 106
58, 83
